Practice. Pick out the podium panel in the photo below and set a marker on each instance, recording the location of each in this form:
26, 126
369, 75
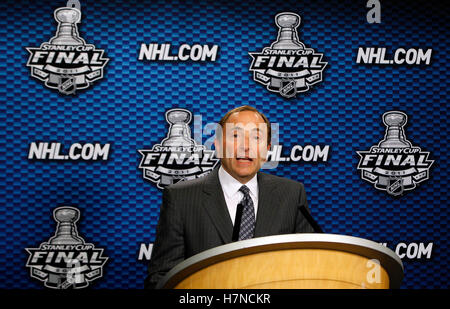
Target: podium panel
297, 261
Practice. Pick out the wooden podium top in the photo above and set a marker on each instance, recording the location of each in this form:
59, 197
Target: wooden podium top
341, 243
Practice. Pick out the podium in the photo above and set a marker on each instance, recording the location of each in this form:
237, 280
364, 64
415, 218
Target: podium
292, 261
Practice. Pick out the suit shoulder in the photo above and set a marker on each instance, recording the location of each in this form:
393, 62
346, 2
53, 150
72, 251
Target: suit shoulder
281, 180
187, 184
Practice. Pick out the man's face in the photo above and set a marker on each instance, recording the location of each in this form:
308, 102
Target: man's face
243, 148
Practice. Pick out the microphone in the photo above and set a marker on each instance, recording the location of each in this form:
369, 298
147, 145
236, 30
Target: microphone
237, 222
310, 219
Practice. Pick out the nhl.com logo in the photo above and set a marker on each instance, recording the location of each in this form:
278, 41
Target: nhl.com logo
394, 165
178, 157
66, 261
66, 62
287, 67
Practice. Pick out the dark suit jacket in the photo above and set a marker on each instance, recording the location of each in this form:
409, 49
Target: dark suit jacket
194, 217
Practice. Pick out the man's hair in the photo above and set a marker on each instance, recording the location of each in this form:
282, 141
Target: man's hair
243, 108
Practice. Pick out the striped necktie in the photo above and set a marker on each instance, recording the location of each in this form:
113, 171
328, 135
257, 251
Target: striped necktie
248, 215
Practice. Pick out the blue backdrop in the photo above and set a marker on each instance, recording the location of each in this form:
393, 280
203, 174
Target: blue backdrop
119, 210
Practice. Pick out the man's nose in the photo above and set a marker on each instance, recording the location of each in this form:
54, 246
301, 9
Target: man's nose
244, 142
244, 146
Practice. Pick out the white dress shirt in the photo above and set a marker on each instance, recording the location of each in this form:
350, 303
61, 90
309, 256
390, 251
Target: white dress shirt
230, 188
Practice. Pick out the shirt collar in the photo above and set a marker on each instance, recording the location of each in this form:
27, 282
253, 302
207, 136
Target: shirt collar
231, 186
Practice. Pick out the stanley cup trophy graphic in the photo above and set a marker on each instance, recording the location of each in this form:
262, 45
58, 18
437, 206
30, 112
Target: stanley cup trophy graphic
288, 40
66, 260
179, 137
394, 164
66, 234
179, 131
66, 62
287, 67
67, 33
395, 136
66, 231
177, 157
287, 35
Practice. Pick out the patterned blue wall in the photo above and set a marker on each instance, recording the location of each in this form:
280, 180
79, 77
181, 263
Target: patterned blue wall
119, 210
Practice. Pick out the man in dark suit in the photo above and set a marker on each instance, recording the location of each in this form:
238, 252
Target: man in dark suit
200, 214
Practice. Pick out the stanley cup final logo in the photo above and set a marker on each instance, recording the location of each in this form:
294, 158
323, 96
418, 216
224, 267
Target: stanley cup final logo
65, 260
287, 66
66, 62
394, 165
178, 157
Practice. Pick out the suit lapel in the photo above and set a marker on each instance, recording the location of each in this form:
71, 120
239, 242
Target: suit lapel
267, 205
216, 207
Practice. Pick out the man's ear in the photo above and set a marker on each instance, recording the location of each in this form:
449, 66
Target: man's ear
218, 147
